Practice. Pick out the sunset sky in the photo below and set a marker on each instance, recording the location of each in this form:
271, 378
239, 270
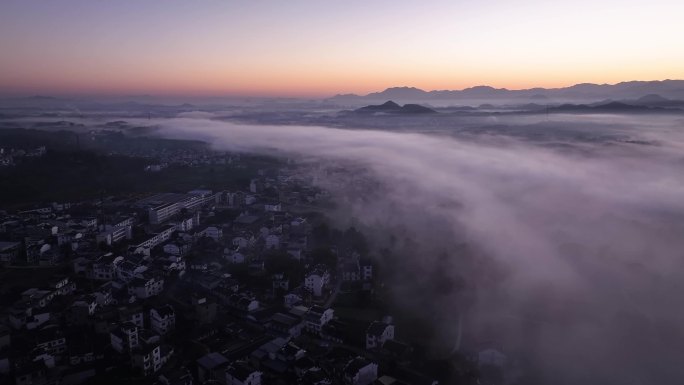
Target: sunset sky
321, 48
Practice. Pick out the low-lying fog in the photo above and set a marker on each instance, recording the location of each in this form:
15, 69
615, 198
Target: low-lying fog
556, 239
568, 234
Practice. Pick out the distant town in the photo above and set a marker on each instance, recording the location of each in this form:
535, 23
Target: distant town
210, 285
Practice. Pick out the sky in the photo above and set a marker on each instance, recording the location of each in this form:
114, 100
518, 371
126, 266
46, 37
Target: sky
321, 48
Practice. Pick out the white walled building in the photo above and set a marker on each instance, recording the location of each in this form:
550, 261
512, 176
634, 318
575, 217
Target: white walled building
360, 371
316, 280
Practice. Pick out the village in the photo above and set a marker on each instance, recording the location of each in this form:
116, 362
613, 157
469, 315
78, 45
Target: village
251, 286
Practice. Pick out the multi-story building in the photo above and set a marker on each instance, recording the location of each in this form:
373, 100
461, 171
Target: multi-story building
124, 338
145, 287
316, 318
163, 212
316, 280
162, 319
162, 236
147, 358
377, 333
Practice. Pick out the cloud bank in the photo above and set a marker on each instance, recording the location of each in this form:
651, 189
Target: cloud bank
576, 261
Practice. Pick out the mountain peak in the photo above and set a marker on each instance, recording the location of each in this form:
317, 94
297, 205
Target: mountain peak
390, 104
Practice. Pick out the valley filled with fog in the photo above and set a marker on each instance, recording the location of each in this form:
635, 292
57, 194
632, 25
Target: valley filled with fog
555, 238
558, 240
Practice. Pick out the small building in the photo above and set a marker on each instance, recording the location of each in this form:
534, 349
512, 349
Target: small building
378, 333
360, 371
240, 373
316, 318
316, 280
212, 367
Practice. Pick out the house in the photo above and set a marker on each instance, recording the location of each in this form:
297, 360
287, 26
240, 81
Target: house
360, 371
255, 186
132, 314
38, 297
212, 367
366, 269
398, 351
242, 303
351, 271
286, 325
273, 207
162, 319
9, 252
133, 266
178, 248
113, 235
124, 338
86, 302
267, 351
317, 317
240, 373
173, 263
51, 340
272, 241
147, 358
24, 315
316, 280
176, 376
145, 287
81, 351
378, 333
280, 282
213, 232
61, 285
292, 299
188, 223
234, 256
32, 373
315, 376
236, 199
204, 310
243, 240
295, 253
105, 267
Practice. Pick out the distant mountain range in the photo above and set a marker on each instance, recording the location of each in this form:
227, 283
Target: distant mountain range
666, 89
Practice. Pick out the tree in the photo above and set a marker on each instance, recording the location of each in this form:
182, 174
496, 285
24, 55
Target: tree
325, 256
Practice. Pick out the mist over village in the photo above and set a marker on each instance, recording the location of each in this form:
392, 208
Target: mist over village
358, 193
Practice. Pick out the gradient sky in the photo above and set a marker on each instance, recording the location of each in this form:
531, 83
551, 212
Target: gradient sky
320, 48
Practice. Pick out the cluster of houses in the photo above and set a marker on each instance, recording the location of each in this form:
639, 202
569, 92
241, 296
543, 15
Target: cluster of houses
179, 289
9, 156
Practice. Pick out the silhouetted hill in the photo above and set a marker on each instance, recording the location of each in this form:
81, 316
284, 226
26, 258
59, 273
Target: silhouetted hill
654, 100
391, 107
617, 107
